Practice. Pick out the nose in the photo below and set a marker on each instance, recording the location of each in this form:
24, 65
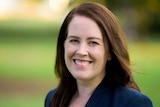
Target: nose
82, 50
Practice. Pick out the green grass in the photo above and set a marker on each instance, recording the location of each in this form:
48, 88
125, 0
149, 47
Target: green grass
21, 101
26, 62
145, 57
27, 58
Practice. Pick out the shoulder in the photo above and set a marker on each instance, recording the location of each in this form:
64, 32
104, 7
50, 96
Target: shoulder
131, 98
48, 98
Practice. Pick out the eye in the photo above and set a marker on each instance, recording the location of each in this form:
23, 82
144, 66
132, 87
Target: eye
74, 41
93, 43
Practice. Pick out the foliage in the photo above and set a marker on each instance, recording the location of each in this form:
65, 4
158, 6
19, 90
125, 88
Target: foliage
75, 2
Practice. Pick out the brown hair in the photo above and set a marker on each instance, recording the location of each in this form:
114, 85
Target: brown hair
118, 71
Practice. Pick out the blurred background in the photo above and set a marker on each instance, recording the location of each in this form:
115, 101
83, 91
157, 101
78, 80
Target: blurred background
28, 36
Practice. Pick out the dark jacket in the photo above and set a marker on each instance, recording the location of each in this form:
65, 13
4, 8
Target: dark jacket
105, 97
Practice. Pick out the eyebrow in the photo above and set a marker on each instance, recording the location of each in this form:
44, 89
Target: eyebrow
89, 38
95, 38
71, 36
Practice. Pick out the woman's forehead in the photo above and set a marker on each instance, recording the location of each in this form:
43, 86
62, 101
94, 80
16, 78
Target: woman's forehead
82, 25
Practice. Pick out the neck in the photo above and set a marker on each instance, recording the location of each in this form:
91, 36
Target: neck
84, 92
86, 88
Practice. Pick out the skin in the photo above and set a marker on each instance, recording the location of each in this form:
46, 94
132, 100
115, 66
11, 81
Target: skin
85, 57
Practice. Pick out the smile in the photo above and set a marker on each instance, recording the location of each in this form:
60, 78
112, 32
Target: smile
81, 62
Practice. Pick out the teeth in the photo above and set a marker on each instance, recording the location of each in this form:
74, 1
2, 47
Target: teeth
81, 62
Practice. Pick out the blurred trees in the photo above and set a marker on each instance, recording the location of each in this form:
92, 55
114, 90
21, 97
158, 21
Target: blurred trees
144, 15
75, 2
140, 18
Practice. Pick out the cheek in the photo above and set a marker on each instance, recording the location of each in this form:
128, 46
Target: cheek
69, 51
68, 55
101, 56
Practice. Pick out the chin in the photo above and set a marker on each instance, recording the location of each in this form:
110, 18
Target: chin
82, 78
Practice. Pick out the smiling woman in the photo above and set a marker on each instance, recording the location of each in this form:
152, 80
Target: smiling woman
93, 63
85, 55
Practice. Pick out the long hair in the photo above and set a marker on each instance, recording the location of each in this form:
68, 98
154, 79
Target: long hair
118, 70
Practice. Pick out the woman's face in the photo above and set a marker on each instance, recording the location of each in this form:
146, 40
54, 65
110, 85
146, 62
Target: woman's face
85, 53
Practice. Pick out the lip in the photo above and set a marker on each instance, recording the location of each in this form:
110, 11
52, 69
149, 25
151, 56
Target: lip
81, 63
82, 60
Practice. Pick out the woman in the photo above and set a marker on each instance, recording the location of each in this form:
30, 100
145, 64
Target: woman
92, 62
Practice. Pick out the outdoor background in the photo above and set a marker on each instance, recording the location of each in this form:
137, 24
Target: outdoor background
28, 35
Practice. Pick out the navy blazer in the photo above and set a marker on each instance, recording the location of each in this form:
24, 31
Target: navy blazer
105, 97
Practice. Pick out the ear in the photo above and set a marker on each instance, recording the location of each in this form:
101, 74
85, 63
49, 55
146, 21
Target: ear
109, 57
